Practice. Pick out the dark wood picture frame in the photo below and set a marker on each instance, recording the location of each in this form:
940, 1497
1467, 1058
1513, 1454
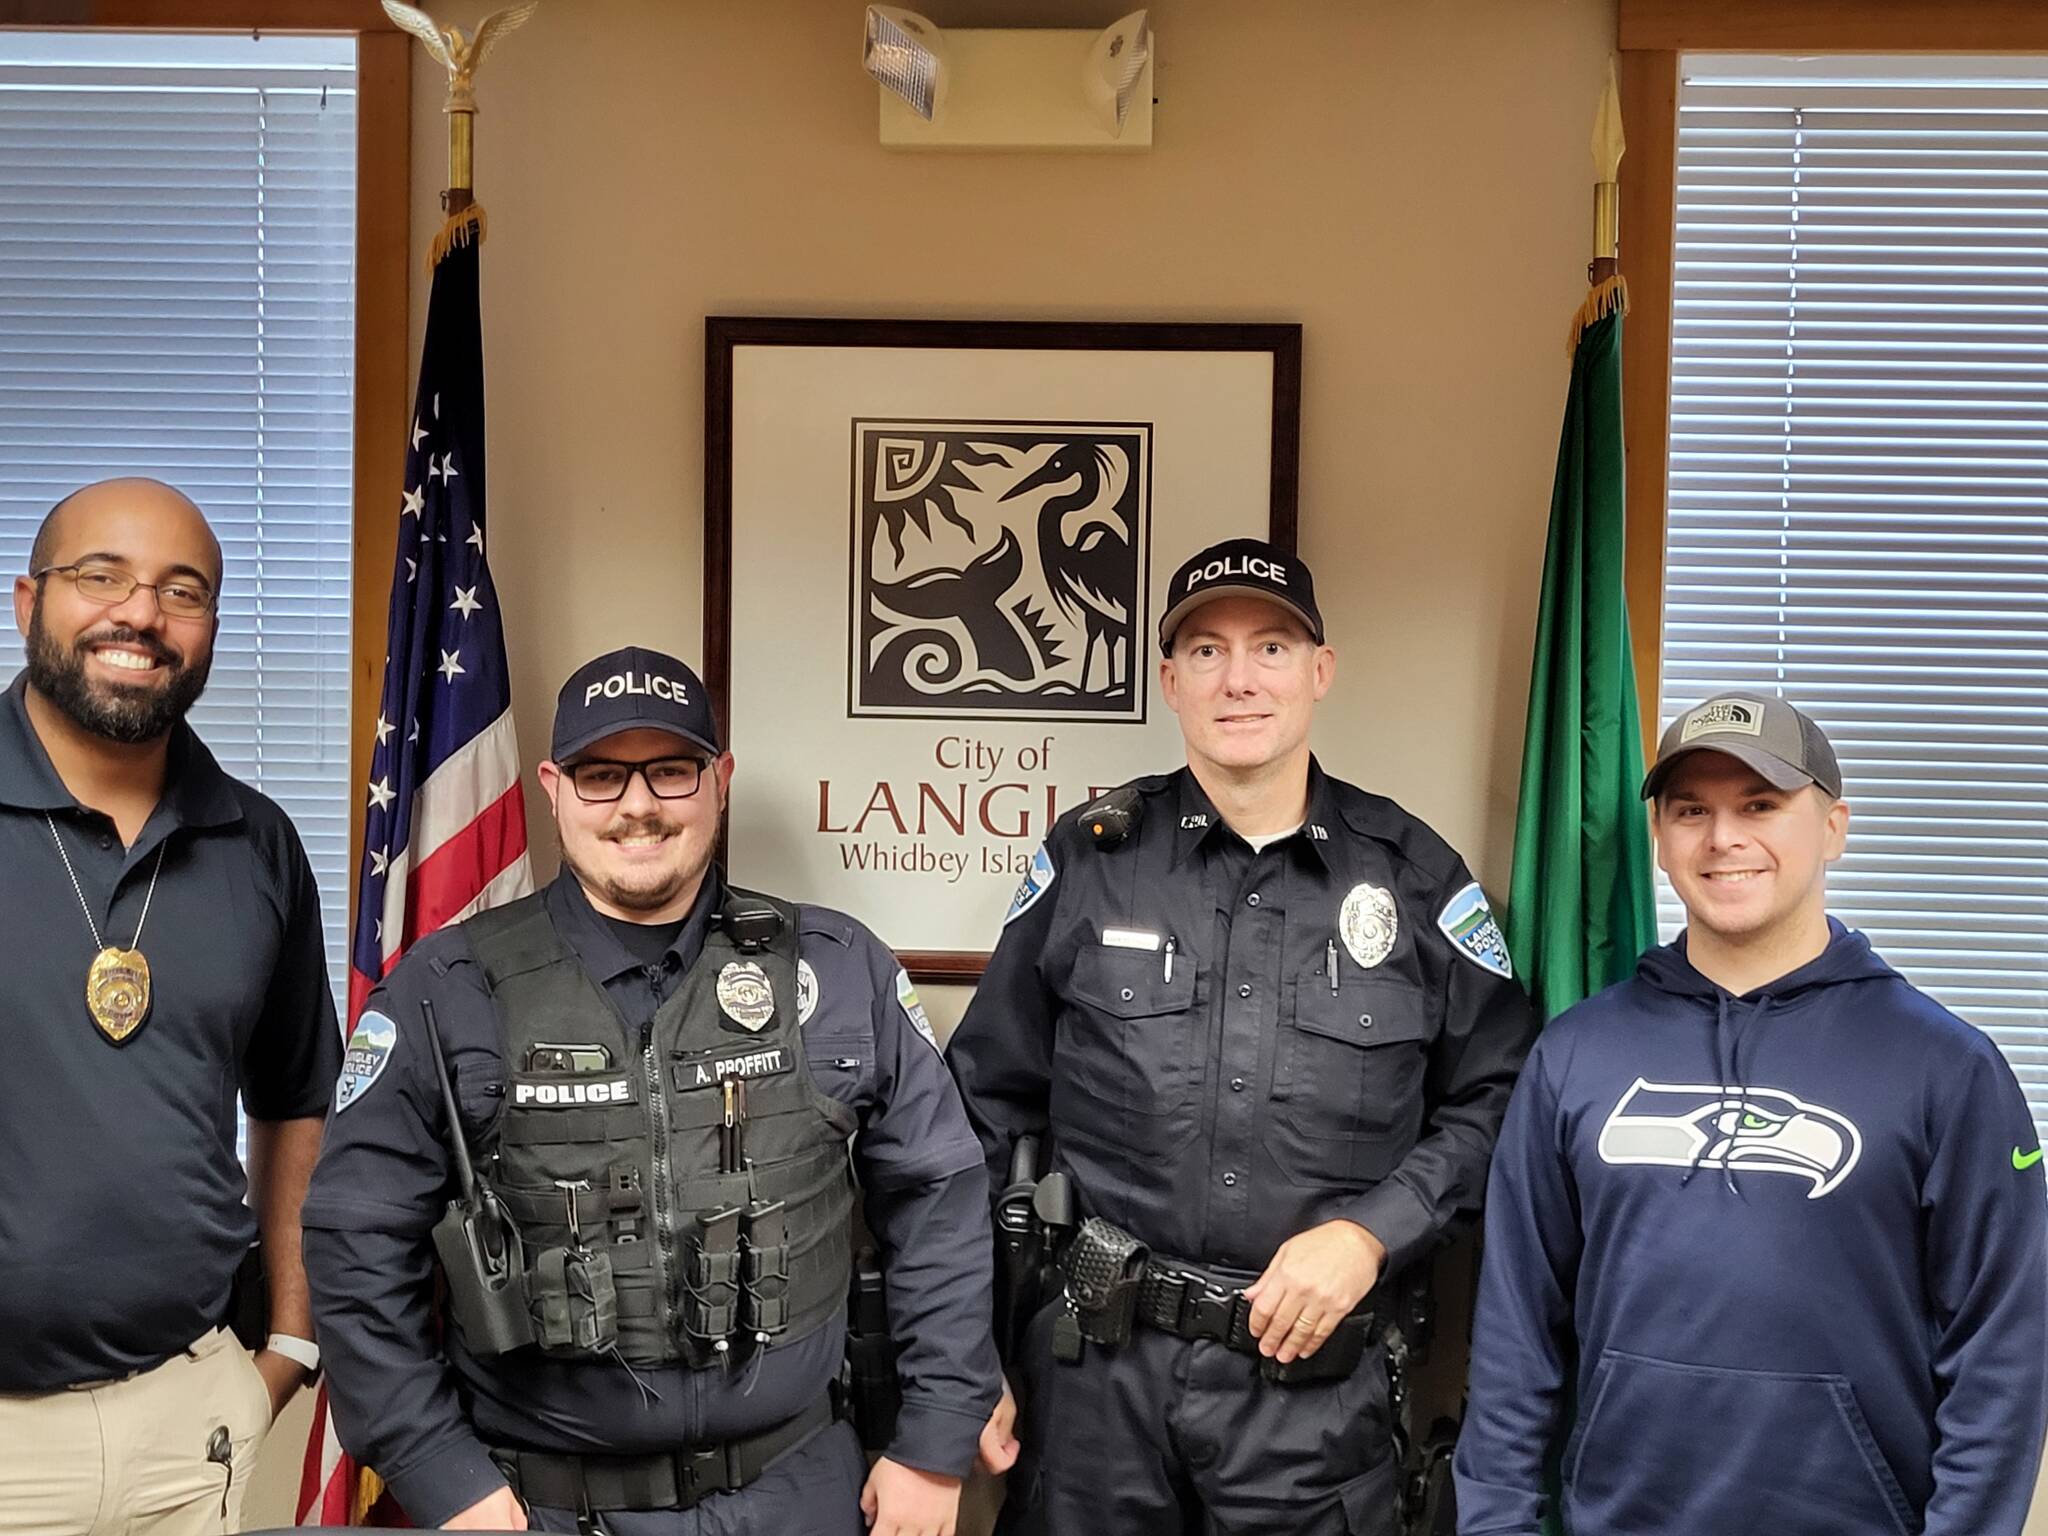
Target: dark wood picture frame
724, 334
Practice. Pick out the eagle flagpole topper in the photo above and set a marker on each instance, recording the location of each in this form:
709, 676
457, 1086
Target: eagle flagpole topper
461, 56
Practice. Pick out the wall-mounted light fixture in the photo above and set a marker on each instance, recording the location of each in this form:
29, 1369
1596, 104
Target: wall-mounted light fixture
1010, 88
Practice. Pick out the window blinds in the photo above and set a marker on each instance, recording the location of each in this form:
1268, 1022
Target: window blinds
177, 253
1858, 488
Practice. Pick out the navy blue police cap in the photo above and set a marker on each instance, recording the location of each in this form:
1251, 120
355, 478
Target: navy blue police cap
1241, 568
631, 689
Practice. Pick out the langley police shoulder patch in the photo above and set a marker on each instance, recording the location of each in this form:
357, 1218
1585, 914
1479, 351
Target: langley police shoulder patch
1036, 882
913, 1008
1467, 921
365, 1057
806, 993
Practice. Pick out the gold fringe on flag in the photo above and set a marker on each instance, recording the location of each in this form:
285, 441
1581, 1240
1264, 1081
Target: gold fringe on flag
460, 229
369, 1486
1608, 298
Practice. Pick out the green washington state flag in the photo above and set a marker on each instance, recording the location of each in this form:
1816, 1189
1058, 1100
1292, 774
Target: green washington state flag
1579, 907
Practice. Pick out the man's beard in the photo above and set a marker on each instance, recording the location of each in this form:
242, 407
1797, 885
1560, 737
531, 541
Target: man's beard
120, 713
655, 889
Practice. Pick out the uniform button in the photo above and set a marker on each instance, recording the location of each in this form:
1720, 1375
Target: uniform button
106, 841
1230, 1178
1237, 1085
1252, 900
1365, 1021
1244, 989
1128, 994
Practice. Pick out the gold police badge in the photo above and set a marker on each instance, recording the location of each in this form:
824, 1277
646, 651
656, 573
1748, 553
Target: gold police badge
746, 994
117, 992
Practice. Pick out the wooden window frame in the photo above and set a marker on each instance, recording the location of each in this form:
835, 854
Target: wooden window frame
1652, 34
383, 294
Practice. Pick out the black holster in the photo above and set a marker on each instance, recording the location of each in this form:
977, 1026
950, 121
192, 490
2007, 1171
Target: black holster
1104, 1265
248, 1316
870, 1392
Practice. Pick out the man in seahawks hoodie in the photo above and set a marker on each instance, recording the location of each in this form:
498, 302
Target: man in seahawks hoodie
1770, 1217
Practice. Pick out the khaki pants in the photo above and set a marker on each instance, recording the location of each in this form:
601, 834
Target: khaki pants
131, 1456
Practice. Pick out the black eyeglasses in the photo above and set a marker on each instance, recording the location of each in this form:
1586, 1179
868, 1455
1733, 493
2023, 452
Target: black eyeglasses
110, 586
598, 781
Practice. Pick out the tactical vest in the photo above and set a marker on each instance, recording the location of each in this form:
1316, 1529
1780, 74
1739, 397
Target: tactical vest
686, 1195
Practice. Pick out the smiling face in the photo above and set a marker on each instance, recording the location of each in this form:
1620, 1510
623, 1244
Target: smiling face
640, 857
1747, 859
126, 671
1244, 678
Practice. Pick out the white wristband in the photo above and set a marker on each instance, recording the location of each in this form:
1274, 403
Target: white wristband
299, 1351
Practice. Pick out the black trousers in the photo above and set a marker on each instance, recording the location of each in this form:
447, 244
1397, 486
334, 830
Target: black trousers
812, 1489
1164, 1437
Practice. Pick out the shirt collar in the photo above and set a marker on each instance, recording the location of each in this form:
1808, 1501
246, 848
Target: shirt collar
197, 793
599, 949
1199, 819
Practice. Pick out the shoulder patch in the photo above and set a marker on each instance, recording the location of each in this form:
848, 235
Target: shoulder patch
913, 1008
806, 993
1036, 882
1468, 923
365, 1057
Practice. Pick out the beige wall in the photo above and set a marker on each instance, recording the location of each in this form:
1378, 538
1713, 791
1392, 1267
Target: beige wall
1409, 181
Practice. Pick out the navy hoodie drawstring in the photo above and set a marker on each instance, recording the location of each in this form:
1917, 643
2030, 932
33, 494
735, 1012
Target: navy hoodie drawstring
1728, 1070
1721, 1076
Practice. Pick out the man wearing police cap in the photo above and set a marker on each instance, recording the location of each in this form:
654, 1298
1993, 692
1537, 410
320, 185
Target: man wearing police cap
1267, 1023
641, 1210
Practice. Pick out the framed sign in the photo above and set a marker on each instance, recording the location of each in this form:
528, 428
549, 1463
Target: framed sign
934, 557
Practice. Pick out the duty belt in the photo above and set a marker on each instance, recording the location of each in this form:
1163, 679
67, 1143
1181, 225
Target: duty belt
663, 1480
1190, 1303
1113, 1283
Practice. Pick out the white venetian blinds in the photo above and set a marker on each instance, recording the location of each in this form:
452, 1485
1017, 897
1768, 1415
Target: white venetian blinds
1859, 483
177, 256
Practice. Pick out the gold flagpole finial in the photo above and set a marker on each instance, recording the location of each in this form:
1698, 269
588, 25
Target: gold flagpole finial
1608, 147
1609, 292
460, 56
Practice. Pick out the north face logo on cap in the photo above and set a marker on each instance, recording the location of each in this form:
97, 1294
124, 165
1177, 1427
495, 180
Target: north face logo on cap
1256, 566
1723, 715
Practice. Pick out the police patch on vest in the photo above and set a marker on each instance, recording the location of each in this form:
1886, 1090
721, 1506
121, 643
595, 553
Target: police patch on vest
364, 1058
913, 1007
1036, 882
1468, 923
746, 995
575, 1094
1368, 923
806, 993
710, 1068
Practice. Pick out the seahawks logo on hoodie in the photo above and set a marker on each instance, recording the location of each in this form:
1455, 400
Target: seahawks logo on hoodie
1766, 1130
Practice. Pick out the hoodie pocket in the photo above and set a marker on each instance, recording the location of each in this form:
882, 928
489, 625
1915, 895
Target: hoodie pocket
1664, 1447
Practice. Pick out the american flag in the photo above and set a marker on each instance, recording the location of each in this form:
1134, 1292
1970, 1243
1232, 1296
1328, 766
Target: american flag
445, 832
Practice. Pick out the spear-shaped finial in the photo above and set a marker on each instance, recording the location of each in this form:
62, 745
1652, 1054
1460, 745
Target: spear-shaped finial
1608, 146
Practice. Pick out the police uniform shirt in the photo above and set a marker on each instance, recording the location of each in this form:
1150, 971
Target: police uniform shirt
386, 1174
1231, 1047
123, 1209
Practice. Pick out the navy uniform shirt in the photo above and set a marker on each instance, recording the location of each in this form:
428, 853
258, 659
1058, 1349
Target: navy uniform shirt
386, 1175
123, 1208
1231, 1047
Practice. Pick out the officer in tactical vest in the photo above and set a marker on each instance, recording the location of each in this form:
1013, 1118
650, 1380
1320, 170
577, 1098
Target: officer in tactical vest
1268, 1027
616, 1116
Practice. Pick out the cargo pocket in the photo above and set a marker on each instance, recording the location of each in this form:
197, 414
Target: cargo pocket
1662, 1442
1126, 1063
1347, 1079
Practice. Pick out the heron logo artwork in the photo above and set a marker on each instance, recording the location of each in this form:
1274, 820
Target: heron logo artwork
999, 570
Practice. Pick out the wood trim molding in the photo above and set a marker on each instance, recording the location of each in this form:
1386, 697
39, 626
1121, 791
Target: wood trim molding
1649, 213
362, 16
383, 369
1833, 26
